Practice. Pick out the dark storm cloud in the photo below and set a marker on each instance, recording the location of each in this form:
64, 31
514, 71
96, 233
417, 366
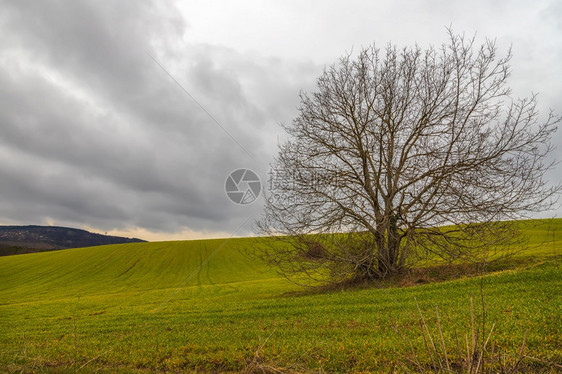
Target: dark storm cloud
93, 132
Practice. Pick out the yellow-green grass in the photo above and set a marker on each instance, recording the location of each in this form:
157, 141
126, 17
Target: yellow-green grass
206, 306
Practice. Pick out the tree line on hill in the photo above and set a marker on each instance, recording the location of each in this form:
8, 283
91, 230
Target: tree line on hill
29, 239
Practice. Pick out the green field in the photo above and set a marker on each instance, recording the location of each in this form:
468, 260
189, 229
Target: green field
205, 306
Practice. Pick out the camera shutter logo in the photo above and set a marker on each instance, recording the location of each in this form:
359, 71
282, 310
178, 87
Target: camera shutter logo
243, 186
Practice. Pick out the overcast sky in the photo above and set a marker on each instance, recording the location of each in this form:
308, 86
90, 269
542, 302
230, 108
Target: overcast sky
127, 117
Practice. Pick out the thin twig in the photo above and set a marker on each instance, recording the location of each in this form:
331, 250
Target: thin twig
481, 358
424, 325
521, 352
442, 339
92, 359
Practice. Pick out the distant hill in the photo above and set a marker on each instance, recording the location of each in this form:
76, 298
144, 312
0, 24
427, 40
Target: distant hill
28, 239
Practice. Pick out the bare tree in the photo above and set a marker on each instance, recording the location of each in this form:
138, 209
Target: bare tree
402, 153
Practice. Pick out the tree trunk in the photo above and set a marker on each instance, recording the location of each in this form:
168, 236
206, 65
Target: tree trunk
393, 240
388, 246
382, 253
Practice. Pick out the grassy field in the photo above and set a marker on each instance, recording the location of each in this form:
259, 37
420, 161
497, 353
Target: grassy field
204, 306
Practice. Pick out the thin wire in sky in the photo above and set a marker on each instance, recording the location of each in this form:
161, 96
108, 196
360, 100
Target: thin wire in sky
200, 106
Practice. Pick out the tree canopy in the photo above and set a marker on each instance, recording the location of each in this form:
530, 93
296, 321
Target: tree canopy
404, 152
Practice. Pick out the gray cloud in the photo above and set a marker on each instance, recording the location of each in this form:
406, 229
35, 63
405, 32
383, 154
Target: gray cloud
94, 133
